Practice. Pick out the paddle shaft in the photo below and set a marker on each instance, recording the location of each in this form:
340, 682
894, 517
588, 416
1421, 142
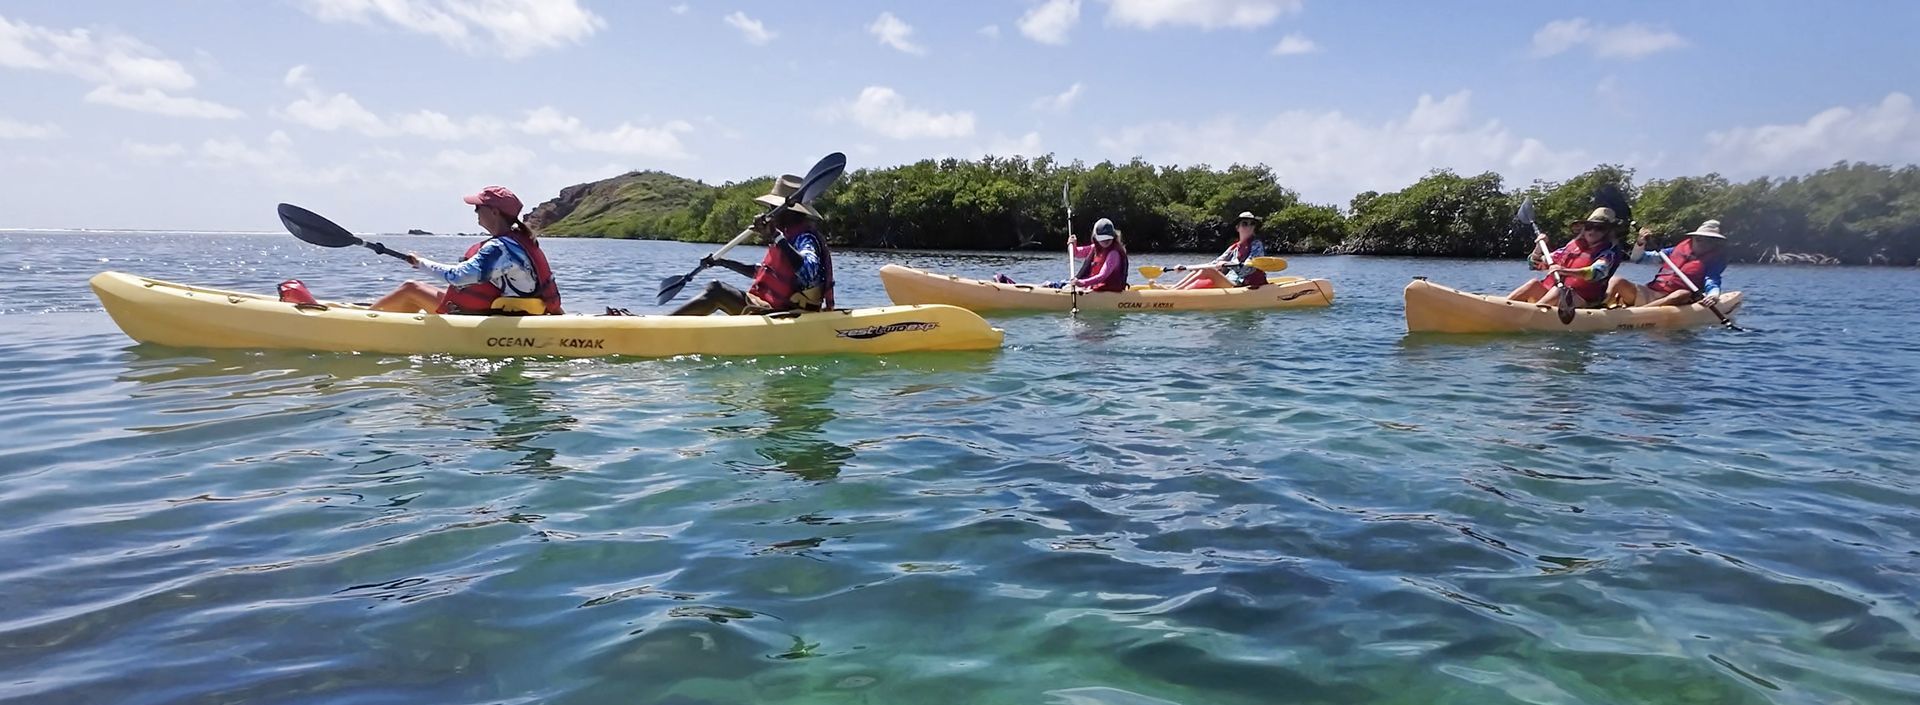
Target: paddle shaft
1072, 240
383, 249
1728, 322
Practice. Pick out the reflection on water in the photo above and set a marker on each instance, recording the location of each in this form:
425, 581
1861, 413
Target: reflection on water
784, 411
1229, 508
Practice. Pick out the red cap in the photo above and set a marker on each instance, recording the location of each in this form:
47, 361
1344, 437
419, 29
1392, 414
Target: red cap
497, 198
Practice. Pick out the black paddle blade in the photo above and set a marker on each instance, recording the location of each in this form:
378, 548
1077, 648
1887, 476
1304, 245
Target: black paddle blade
1566, 306
310, 227
822, 175
670, 287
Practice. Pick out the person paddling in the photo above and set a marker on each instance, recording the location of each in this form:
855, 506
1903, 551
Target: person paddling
505, 274
1702, 259
1103, 265
795, 275
1584, 263
1230, 269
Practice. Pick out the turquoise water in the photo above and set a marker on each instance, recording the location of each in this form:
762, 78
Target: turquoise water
1305, 507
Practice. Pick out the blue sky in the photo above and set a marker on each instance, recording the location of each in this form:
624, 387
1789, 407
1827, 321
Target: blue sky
202, 114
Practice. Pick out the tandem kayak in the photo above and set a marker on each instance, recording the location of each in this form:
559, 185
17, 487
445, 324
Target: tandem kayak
1432, 308
906, 285
165, 313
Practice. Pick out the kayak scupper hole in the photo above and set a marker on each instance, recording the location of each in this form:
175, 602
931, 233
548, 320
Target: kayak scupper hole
233, 299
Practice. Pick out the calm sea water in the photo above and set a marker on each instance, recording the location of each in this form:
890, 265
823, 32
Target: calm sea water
1304, 507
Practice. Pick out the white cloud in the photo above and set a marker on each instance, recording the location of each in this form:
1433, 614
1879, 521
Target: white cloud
1627, 41
141, 150
335, 112
1204, 14
14, 130
892, 32
1050, 21
1888, 132
275, 160
567, 133
755, 32
1027, 145
1330, 156
1060, 102
679, 9
438, 126
883, 111
1295, 44
153, 100
513, 28
991, 31
126, 72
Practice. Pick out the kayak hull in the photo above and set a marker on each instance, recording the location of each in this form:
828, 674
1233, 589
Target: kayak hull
1432, 308
906, 285
165, 313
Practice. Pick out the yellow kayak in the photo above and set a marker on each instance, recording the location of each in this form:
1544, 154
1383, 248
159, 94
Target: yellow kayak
906, 285
164, 313
1432, 308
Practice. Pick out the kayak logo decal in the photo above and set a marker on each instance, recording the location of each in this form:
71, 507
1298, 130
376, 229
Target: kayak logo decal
513, 342
1124, 305
871, 332
1298, 294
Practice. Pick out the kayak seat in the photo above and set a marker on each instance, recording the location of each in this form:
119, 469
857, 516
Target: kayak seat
519, 306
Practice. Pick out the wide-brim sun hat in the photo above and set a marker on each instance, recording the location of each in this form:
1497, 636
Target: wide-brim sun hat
1247, 215
1709, 229
785, 186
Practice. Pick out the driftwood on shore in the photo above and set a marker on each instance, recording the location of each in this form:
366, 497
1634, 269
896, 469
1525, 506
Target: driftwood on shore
1778, 257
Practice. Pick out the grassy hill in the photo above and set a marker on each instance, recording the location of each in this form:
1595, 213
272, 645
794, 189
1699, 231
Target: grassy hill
637, 204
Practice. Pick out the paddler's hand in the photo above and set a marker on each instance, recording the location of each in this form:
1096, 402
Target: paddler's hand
707, 261
1179, 267
1556, 269
1711, 300
413, 259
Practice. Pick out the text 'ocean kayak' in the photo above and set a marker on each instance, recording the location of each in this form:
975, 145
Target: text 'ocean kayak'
906, 285
1432, 308
164, 313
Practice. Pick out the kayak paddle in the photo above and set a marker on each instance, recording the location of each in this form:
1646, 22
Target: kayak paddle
310, 227
818, 179
1264, 264
1724, 320
1071, 239
1565, 309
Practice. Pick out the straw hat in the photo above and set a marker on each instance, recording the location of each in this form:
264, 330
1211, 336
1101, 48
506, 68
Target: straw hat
783, 187
1601, 216
1247, 215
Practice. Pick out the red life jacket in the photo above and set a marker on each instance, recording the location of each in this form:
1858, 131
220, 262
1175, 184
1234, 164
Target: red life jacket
1578, 254
478, 298
1691, 265
1117, 279
779, 277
